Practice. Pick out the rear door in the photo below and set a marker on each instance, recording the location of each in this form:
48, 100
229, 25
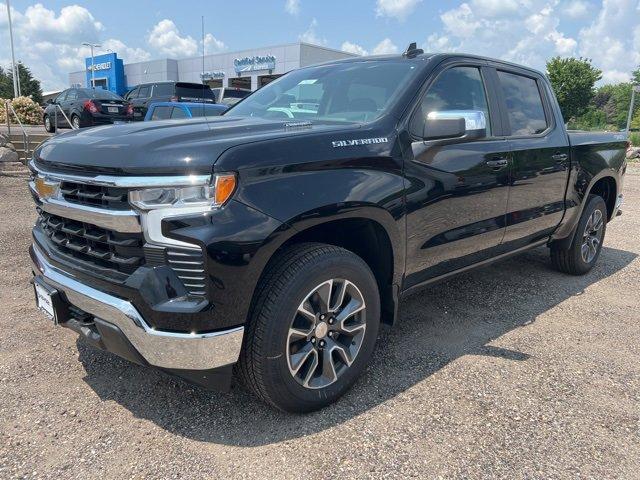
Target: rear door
540, 151
70, 102
456, 192
140, 102
58, 102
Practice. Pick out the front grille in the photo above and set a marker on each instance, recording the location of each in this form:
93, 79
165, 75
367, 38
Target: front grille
113, 198
87, 243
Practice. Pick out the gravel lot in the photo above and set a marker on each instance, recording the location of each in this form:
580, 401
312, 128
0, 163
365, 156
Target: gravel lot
513, 371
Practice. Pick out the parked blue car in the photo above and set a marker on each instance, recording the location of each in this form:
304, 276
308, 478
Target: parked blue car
175, 110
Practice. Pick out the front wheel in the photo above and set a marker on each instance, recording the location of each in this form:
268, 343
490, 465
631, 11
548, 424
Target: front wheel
585, 249
312, 329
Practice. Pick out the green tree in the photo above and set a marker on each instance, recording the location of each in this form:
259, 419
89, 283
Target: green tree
6, 85
29, 86
573, 81
635, 76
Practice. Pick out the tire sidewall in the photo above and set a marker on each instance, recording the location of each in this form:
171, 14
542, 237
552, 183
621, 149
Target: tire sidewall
594, 203
75, 119
48, 126
289, 393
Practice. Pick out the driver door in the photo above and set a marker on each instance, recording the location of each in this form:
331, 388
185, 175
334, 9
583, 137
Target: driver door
457, 190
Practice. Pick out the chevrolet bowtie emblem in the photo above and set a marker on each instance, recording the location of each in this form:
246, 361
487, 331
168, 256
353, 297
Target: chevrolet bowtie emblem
46, 188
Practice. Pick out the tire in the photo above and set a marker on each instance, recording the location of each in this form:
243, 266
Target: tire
75, 121
48, 125
271, 349
583, 254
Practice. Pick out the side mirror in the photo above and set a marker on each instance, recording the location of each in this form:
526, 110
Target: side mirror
455, 124
49, 102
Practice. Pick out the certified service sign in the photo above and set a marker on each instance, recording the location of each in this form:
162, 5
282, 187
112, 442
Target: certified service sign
258, 62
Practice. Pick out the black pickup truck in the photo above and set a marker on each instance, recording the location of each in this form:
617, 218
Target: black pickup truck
273, 241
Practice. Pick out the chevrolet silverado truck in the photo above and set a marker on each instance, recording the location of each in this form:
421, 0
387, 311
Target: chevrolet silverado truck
272, 242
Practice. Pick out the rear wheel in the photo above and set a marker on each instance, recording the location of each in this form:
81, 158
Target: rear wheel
48, 125
313, 328
75, 121
585, 249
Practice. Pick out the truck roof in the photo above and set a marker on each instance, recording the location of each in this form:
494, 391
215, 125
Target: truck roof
423, 57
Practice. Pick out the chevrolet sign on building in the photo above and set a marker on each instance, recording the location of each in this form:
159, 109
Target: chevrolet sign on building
248, 69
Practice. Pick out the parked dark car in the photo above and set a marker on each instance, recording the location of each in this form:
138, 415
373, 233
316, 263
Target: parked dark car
147, 93
276, 248
174, 110
229, 95
85, 107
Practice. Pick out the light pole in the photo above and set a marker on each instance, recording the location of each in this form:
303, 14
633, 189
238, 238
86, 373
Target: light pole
16, 89
93, 69
634, 89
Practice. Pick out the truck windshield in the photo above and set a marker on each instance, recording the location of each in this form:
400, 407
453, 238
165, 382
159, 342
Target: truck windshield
348, 92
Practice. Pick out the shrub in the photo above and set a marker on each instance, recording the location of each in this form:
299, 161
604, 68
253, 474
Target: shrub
635, 139
28, 111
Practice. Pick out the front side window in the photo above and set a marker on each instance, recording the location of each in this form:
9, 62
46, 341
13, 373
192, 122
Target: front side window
161, 113
144, 92
524, 104
459, 88
347, 92
178, 113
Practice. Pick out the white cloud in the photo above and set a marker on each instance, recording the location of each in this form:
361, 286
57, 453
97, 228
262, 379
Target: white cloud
609, 41
353, 48
292, 7
496, 8
398, 9
460, 21
576, 9
213, 45
126, 53
165, 38
532, 31
50, 42
385, 47
310, 35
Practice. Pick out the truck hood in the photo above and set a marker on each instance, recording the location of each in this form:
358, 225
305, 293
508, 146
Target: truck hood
163, 147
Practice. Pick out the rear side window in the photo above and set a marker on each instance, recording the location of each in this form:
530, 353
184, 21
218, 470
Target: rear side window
72, 95
524, 104
163, 90
195, 91
459, 88
204, 111
161, 113
178, 113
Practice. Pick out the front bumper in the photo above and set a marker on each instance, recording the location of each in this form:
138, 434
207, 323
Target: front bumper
166, 350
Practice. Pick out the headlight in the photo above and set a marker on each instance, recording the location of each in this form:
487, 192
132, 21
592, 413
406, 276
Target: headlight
206, 196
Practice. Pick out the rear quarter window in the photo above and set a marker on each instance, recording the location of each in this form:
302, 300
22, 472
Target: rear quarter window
163, 90
524, 104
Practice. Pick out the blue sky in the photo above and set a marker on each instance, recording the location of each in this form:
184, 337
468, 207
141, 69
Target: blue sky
48, 35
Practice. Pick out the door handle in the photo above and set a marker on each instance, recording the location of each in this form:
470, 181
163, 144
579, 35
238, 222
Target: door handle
498, 163
560, 157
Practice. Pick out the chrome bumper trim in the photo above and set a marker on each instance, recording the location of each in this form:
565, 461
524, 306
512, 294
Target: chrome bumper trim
198, 351
125, 181
124, 221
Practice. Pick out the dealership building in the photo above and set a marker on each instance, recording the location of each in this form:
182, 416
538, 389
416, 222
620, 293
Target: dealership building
250, 69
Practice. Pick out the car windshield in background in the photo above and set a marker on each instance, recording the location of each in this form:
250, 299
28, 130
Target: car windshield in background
100, 94
195, 91
349, 92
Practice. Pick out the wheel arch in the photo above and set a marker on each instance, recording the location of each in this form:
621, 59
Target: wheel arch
369, 232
